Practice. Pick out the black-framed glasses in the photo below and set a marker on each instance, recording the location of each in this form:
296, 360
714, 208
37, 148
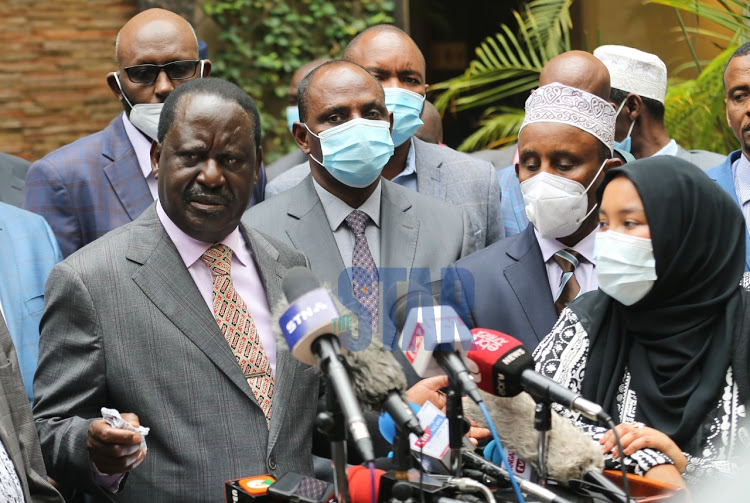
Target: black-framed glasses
176, 70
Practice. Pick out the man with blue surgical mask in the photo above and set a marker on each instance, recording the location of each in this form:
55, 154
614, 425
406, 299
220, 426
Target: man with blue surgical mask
520, 285
359, 231
104, 180
638, 88
392, 57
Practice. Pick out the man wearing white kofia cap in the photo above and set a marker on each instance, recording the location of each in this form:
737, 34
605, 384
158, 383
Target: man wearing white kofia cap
520, 284
639, 85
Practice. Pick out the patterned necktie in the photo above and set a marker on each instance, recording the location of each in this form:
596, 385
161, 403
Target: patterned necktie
364, 272
569, 288
238, 327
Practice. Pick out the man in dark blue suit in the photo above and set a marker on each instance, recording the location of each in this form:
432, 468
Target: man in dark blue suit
104, 180
520, 284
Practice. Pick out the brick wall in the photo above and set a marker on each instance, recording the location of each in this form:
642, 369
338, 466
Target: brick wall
54, 57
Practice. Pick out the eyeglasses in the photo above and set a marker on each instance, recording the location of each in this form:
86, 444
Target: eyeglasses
176, 70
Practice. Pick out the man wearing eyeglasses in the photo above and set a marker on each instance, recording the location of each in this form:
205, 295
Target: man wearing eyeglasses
102, 181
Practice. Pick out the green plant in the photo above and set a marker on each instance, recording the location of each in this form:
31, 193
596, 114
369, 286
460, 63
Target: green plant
695, 107
507, 65
265, 41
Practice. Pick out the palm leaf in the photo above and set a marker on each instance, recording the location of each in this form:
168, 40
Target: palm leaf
730, 15
507, 64
500, 128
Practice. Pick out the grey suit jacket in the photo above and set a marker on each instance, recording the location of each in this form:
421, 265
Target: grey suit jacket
704, 159
13, 176
417, 233
17, 432
125, 327
443, 173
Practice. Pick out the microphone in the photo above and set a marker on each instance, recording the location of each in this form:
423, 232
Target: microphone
505, 368
360, 484
433, 334
307, 326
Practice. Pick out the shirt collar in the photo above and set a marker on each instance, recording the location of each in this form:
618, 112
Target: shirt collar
141, 146
585, 247
411, 164
741, 176
190, 249
668, 149
337, 210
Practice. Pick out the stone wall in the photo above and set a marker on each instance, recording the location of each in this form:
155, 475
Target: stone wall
54, 57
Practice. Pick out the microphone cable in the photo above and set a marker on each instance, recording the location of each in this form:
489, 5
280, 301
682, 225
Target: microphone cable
373, 496
621, 455
500, 448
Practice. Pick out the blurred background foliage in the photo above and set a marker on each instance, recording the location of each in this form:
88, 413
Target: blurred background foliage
507, 66
265, 41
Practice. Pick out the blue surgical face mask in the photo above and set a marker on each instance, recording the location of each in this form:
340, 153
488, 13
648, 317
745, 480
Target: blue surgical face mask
624, 145
406, 106
292, 116
355, 152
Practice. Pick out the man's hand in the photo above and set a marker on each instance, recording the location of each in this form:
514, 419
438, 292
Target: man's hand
429, 389
636, 436
114, 450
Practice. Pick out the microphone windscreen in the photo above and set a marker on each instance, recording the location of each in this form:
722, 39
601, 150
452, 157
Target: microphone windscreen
360, 484
375, 373
570, 452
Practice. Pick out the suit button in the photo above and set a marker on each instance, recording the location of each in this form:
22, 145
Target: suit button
272, 463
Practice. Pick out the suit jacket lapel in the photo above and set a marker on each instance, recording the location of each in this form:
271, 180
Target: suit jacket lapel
310, 233
124, 172
399, 229
430, 178
165, 280
7, 249
528, 279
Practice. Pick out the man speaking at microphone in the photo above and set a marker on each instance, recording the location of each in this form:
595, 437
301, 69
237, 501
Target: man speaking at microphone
168, 318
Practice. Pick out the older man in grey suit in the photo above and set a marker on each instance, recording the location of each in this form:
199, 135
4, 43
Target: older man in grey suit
158, 317
392, 57
13, 174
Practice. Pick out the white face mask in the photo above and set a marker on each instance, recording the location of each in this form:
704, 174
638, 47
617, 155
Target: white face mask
556, 205
145, 116
625, 266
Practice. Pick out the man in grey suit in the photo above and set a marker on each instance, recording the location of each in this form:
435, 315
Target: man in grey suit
403, 231
22, 473
132, 322
392, 57
13, 175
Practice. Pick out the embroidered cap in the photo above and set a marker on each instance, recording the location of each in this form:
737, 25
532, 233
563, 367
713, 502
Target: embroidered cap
567, 105
634, 71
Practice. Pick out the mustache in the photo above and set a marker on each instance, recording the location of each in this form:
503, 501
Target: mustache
220, 195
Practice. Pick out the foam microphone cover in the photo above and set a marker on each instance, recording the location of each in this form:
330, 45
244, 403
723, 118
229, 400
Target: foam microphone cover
570, 452
360, 484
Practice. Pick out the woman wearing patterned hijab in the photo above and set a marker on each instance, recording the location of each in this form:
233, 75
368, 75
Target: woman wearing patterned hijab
664, 344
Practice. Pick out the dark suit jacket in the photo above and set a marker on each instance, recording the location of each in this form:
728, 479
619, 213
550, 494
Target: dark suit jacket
126, 327
504, 287
12, 175
17, 431
89, 187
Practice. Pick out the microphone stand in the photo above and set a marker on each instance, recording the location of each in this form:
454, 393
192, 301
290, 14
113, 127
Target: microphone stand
542, 424
335, 427
456, 428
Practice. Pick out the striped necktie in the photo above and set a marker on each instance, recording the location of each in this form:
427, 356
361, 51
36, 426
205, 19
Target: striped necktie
569, 288
238, 327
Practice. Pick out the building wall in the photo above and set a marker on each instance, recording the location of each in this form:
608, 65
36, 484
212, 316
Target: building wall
54, 57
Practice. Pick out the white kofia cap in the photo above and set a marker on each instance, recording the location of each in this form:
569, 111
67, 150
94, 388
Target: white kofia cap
634, 71
567, 105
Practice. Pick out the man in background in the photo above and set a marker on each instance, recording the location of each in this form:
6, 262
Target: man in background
13, 175
392, 57
639, 86
102, 181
